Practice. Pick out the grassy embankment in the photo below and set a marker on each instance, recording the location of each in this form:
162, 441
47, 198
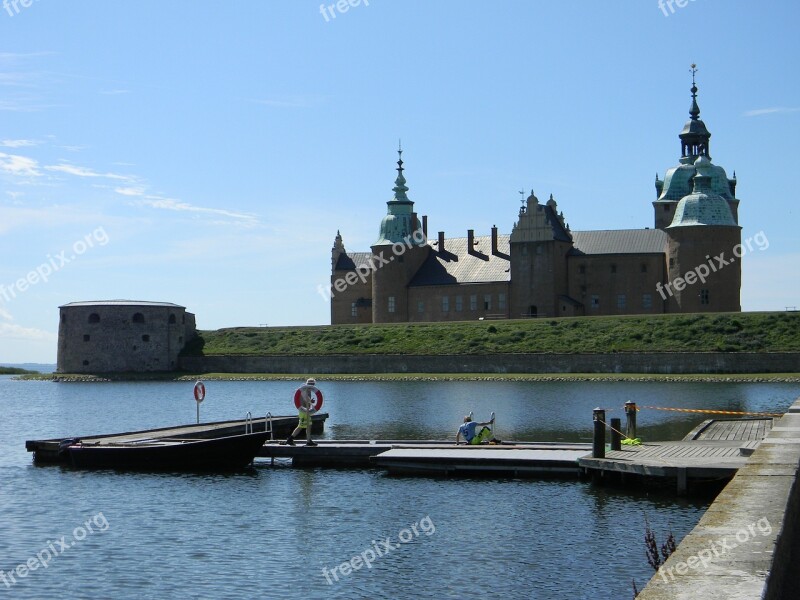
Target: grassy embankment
733, 332
15, 371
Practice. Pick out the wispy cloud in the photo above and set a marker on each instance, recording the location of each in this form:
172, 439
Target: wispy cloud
18, 143
17, 332
776, 110
21, 166
178, 205
130, 191
163, 203
85, 172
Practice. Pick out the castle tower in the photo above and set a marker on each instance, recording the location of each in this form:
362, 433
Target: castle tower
677, 183
398, 253
704, 271
540, 241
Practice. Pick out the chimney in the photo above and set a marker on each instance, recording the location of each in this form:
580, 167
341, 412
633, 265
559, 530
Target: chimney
494, 240
425, 226
470, 241
441, 241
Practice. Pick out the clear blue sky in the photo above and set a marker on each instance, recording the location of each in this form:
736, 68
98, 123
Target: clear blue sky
210, 150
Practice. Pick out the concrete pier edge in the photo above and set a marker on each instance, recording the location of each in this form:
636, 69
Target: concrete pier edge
746, 545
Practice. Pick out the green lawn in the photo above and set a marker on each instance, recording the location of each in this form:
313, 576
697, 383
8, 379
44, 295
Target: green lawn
729, 332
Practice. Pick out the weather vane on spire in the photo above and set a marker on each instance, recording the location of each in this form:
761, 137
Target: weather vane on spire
694, 70
522, 196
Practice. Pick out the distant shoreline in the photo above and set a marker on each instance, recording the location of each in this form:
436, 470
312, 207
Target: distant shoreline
539, 377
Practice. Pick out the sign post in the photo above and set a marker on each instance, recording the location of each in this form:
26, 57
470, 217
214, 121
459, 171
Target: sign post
199, 396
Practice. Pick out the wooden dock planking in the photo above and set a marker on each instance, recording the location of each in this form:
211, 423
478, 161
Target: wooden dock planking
363, 453
715, 448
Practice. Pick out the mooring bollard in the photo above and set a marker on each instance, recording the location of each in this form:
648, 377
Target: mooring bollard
630, 424
616, 435
599, 439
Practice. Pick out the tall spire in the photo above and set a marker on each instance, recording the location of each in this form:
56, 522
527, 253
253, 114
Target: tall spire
694, 112
400, 188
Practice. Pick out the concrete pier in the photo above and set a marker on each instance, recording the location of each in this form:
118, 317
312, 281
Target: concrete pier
747, 545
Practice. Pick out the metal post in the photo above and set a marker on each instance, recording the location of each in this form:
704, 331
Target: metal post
630, 414
599, 438
198, 412
616, 436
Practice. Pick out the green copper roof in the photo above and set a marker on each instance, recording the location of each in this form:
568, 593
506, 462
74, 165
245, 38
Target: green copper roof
400, 222
703, 206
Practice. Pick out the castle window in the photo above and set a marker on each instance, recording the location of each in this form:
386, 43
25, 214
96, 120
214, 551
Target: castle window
704, 297
644, 268
582, 269
459, 303
445, 303
145, 338
94, 318
671, 261
473, 302
501, 301
86, 337
622, 302
595, 302
487, 302
538, 249
392, 304
421, 306
613, 268
138, 318
183, 319
353, 309
583, 289
86, 363
63, 318
647, 301
172, 320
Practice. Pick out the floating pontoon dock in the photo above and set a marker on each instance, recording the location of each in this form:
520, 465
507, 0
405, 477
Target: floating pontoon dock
48, 451
715, 449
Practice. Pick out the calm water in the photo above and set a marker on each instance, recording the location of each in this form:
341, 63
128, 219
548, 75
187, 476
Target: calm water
270, 532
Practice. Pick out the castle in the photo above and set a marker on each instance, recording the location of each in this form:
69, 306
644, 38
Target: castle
686, 263
118, 336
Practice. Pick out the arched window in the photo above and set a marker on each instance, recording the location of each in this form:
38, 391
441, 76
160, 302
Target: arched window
172, 320
94, 318
138, 318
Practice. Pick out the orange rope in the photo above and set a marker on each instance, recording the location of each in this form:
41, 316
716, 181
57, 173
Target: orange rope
713, 412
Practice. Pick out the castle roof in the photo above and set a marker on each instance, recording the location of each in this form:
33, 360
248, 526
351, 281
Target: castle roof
121, 303
619, 241
349, 262
456, 265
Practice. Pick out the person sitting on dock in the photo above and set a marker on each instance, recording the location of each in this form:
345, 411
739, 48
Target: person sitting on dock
308, 397
484, 436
